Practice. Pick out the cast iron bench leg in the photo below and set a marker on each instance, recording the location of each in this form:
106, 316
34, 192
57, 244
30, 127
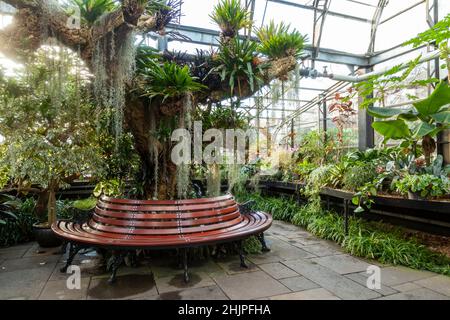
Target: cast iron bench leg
241, 254
185, 265
263, 242
73, 250
116, 261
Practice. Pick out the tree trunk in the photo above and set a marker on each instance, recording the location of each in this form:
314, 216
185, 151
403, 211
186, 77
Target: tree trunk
157, 174
51, 206
40, 210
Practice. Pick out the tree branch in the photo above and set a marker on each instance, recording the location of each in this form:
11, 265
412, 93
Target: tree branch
37, 20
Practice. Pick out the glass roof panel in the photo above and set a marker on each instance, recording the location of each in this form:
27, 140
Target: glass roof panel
196, 13
399, 29
345, 35
301, 19
444, 8
359, 8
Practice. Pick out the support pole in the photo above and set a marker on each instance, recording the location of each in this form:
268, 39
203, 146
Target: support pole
366, 134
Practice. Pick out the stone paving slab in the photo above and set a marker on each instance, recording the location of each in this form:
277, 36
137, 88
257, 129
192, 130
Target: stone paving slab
23, 284
299, 283
439, 284
266, 257
392, 276
58, 290
175, 282
342, 264
35, 250
337, 284
28, 263
321, 250
12, 253
409, 286
205, 293
304, 241
250, 285
287, 251
233, 266
361, 278
417, 294
130, 286
86, 272
312, 294
278, 270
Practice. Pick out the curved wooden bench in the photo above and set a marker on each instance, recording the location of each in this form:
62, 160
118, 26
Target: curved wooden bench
123, 224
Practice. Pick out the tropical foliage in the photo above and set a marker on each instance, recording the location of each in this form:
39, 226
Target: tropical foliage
231, 16
278, 41
237, 64
92, 10
168, 80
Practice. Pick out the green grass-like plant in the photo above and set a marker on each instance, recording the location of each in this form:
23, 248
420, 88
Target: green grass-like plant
277, 41
231, 16
371, 240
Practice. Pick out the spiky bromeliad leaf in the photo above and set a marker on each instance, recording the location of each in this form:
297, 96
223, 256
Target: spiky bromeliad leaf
236, 64
277, 41
231, 16
91, 10
169, 80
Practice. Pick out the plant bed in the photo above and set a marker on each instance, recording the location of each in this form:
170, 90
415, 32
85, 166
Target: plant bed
431, 216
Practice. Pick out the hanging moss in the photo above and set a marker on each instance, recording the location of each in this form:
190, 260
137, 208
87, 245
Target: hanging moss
113, 65
213, 180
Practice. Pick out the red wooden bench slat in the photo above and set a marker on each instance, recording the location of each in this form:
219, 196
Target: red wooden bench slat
158, 216
165, 208
165, 202
166, 222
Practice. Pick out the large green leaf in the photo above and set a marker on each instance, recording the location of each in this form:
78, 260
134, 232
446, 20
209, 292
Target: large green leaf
392, 129
408, 116
425, 128
384, 113
442, 117
432, 104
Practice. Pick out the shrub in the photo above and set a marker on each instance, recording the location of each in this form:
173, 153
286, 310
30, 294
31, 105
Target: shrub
20, 229
358, 175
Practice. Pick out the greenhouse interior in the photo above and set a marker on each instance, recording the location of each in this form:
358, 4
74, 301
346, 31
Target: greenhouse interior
225, 150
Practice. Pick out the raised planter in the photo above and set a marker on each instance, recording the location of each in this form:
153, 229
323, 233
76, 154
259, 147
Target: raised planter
425, 215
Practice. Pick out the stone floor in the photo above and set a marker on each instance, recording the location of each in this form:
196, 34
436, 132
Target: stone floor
299, 266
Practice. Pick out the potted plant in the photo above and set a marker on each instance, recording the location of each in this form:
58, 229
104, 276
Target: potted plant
422, 187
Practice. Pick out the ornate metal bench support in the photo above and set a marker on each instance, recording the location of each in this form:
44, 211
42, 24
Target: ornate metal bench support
261, 239
241, 254
73, 250
185, 264
115, 261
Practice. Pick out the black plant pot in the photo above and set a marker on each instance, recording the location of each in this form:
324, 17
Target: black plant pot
45, 236
415, 196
